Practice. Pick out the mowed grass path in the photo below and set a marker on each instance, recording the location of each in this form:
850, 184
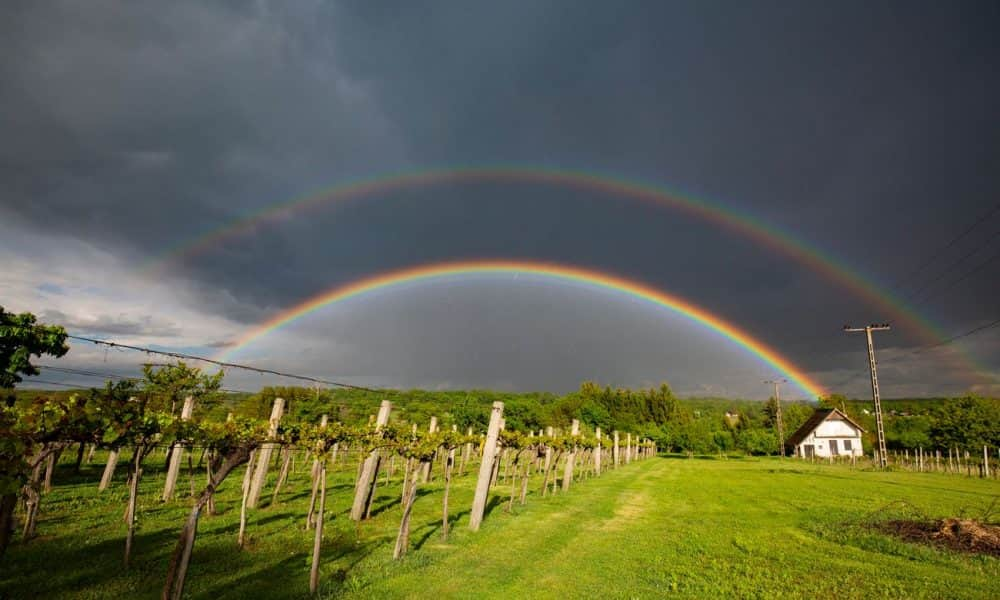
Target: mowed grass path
684, 527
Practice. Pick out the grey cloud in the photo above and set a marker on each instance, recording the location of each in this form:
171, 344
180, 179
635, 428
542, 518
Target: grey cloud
147, 325
221, 344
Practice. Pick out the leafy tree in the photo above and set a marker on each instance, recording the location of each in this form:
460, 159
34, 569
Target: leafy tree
969, 424
171, 383
834, 401
771, 412
21, 337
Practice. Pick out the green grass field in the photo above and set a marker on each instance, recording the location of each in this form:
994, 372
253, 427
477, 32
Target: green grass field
689, 527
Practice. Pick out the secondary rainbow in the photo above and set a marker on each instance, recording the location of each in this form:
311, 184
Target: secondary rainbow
549, 270
889, 306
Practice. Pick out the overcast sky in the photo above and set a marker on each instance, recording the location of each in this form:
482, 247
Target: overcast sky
869, 130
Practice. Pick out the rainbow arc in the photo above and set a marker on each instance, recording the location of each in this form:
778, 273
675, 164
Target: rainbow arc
552, 271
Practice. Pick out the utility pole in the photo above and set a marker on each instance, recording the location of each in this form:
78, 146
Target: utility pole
777, 414
880, 430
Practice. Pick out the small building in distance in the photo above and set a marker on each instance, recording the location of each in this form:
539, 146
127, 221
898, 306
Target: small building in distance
828, 432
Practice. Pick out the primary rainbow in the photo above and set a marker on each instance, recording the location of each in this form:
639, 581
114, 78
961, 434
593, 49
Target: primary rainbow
549, 270
889, 307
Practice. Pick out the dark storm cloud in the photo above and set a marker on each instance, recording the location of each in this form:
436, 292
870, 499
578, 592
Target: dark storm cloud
870, 131
147, 121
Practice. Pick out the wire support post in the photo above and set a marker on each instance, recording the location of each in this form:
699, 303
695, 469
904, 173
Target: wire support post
879, 426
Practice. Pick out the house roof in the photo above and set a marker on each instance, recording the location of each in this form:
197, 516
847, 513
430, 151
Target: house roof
821, 414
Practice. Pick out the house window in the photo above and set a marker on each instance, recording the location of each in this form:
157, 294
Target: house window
847, 446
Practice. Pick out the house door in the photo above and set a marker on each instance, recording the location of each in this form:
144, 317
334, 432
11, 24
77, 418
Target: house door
808, 450
833, 448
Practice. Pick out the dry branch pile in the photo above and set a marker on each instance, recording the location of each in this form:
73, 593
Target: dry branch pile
963, 535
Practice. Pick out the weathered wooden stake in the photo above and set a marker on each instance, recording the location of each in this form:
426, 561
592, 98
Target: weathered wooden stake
466, 453
130, 511
570, 458
109, 470
282, 475
486, 467
597, 452
247, 482
50, 466
176, 454
448, 465
318, 538
264, 455
425, 475
369, 470
403, 537
318, 463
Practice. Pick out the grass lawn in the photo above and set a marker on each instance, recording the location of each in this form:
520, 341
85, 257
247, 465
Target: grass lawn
689, 527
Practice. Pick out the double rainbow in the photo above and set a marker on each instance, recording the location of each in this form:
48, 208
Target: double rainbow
781, 242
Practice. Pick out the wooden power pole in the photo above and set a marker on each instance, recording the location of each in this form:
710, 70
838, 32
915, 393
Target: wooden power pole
777, 414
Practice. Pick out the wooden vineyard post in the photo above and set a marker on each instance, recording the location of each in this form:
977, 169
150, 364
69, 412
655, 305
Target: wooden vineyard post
449, 464
466, 452
425, 474
407, 467
318, 464
409, 496
628, 448
283, 474
109, 470
615, 451
264, 455
486, 467
318, 538
363, 489
571, 457
547, 463
986, 463
505, 461
496, 456
177, 454
132, 498
50, 466
529, 468
597, 452
247, 480
173, 589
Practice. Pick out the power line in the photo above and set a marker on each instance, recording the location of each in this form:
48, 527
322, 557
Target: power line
119, 377
46, 382
960, 336
226, 365
934, 255
88, 373
963, 277
854, 375
919, 291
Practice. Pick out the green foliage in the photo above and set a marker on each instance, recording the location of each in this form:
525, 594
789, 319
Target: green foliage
21, 337
969, 424
168, 385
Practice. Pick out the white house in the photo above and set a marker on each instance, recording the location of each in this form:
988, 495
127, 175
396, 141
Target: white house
828, 432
